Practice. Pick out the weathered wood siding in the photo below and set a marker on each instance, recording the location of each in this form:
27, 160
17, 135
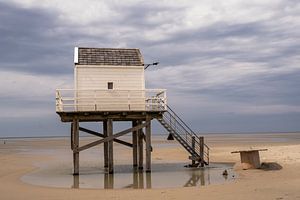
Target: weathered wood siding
97, 78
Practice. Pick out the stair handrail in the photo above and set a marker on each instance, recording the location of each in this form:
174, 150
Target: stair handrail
186, 126
180, 130
190, 132
181, 121
187, 130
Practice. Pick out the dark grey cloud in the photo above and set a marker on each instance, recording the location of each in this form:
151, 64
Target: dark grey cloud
28, 43
210, 42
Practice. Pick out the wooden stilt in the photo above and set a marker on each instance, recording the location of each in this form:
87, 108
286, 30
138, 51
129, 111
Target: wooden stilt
105, 150
75, 136
134, 145
110, 147
148, 143
201, 142
193, 147
72, 137
140, 148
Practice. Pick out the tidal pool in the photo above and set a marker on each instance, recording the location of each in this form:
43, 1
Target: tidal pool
166, 175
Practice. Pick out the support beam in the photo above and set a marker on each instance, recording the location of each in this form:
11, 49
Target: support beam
144, 137
140, 149
110, 146
193, 147
105, 148
102, 136
201, 142
134, 145
72, 137
75, 136
148, 143
87, 146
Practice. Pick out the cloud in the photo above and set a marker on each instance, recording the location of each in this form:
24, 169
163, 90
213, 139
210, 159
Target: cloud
217, 58
29, 43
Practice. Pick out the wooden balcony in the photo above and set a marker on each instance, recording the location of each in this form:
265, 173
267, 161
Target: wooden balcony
104, 102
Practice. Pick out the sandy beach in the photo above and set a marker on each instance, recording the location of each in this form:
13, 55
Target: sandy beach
280, 180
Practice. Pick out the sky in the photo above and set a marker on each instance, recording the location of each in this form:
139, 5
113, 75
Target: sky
228, 66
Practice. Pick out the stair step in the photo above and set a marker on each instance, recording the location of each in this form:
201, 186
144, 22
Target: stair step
183, 136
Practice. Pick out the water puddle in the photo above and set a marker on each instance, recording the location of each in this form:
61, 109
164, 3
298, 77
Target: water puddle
171, 175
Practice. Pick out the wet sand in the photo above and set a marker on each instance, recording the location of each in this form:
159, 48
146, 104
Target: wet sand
20, 157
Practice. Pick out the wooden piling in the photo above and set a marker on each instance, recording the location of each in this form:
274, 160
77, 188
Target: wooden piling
72, 137
148, 143
193, 147
141, 132
134, 145
75, 138
105, 150
140, 148
201, 142
110, 147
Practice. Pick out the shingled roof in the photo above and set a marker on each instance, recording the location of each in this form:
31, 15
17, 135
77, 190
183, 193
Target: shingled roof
108, 56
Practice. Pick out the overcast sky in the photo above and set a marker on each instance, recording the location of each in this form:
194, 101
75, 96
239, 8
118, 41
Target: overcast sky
228, 66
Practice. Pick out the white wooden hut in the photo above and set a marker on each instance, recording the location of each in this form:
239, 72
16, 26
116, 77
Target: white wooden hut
108, 79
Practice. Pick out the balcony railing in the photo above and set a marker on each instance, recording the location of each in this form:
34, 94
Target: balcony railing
70, 100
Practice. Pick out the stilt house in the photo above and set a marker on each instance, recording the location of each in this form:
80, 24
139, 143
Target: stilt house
110, 86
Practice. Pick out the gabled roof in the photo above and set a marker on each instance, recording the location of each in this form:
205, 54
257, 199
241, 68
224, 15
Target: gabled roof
108, 56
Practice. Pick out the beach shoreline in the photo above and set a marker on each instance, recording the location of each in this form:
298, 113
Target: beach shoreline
16, 161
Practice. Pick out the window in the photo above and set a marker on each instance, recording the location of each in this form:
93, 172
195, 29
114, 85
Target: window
110, 85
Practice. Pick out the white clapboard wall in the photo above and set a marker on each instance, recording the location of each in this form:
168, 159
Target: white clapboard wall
92, 93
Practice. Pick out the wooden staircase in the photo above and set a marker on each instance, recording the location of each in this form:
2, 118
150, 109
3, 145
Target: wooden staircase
194, 144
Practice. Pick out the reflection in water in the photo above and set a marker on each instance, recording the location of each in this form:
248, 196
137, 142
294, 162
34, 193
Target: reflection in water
75, 181
138, 180
148, 180
142, 180
108, 181
196, 178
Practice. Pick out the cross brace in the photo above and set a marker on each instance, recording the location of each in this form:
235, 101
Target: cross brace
101, 135
107, 139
